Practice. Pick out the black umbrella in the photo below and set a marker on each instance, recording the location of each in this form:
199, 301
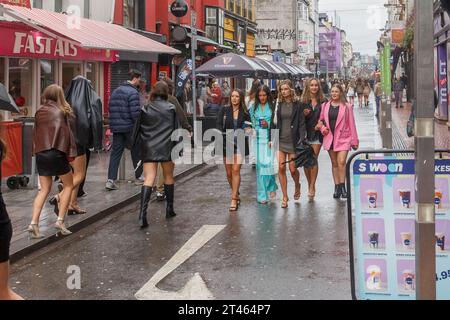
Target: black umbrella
304, 156
275, 70
6, 101
233, 65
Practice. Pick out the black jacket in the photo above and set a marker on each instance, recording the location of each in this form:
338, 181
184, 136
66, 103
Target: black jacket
87, 108
153, 131
298, 124
225, 122
311, 121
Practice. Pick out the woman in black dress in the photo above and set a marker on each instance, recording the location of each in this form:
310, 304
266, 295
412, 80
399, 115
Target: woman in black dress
232, 121
6, 231
153, 131
54, 146
312, 100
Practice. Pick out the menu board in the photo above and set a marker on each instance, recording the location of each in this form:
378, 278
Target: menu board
384, 229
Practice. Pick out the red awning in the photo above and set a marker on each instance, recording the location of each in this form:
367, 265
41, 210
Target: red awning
89, 34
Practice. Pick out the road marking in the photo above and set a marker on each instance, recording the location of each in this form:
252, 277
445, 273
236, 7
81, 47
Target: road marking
196, 287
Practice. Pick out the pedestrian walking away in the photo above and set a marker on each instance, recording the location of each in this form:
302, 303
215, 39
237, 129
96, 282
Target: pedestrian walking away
289, 119
312, 101
337, 124
360, 91
124, 108
153, 131
378, 94
88, 132
398, 92
261, 115
54, 146
181, 116
366, 92
351, 93
6, 232
232, 122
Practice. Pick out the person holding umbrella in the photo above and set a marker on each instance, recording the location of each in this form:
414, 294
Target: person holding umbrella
289, 119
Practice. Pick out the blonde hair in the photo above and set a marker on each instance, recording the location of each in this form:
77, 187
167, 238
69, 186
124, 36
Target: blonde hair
56, 94
306, 97
288, 83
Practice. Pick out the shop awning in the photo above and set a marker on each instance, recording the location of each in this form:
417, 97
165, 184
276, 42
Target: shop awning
89, 33
206, 40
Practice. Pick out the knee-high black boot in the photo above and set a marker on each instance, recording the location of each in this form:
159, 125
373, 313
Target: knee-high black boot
344, 193
169, 191
146, 192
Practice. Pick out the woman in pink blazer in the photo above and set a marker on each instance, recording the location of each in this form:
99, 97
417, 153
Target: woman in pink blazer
337, 124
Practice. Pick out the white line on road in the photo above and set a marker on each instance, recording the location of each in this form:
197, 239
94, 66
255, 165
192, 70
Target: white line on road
196, 287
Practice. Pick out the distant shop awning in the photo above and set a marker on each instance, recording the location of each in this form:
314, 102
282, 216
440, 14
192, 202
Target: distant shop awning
88, 34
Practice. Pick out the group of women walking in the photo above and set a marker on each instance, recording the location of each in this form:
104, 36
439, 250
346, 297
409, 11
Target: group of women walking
309, 119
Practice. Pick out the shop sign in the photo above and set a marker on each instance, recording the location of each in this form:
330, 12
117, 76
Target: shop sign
21, 3
384, 230
179, 8
397, 36
28, 43
442, 83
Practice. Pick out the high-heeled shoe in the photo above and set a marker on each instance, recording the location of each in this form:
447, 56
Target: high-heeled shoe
60, 227
33, 231
54, 201
284, 203
236, 207
298, 192
76, 210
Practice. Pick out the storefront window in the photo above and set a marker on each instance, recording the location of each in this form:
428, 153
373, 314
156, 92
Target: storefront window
91, 73
47, 73
21, 84
70, 71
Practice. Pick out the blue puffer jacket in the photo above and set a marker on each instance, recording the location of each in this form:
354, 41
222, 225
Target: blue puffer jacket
124, 108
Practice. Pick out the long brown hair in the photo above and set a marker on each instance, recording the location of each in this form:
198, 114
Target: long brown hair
339, 87
288, 83
307, 96
56, 94
160, 90
242, 107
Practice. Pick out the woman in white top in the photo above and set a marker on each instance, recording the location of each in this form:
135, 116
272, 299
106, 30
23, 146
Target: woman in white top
351, 93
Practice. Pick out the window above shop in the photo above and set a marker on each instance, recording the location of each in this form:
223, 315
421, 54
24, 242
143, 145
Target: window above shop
134, 14
211, 15
239, 7
37, 4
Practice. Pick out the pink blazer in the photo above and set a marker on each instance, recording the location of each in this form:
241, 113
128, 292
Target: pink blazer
345, 134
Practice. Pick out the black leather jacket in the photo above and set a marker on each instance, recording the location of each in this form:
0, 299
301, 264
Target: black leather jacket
87, 107
153, 131
298, 125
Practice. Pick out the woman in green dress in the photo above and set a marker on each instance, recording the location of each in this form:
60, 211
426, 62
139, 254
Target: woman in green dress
261, 115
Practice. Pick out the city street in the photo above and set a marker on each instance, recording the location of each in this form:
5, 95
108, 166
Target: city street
263, 252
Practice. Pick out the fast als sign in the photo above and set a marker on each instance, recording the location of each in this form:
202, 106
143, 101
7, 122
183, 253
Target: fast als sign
384, 228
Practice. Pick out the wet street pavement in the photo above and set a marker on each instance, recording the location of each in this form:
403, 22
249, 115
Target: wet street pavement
263, 252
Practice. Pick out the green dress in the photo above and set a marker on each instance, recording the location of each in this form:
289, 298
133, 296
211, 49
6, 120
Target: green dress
265, 162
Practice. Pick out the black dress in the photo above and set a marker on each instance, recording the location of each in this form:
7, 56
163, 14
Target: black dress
5, 227
332, 117
225, 122
312, 120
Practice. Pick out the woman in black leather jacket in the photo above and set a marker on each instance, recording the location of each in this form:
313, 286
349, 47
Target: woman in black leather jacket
153, 130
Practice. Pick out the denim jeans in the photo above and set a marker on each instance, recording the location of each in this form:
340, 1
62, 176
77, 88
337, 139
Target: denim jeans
121, 141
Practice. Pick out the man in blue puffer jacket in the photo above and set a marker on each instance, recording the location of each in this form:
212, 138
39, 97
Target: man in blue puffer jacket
124, 108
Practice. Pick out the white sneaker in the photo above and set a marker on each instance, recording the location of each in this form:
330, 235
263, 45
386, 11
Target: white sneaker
110, 185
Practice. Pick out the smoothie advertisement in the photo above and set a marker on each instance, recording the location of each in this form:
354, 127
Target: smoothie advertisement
384, 228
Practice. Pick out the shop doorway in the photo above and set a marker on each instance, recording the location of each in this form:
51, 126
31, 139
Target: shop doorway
69, 71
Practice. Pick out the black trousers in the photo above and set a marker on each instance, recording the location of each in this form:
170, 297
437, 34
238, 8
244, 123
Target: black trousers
5, 232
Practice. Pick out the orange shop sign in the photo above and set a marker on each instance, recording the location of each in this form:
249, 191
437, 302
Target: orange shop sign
398, 35
22, 3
